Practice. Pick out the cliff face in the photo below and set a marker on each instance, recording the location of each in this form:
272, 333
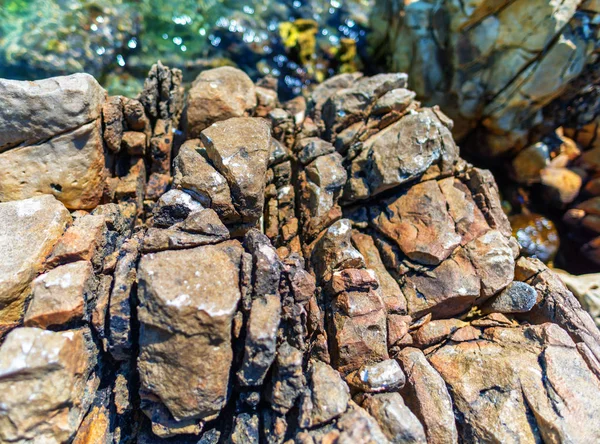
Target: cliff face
321, 270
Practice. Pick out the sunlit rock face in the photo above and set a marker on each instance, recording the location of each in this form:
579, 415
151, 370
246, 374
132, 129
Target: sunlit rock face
316, 271
491, 64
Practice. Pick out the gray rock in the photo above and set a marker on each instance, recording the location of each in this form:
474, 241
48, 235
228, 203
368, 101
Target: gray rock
517, 297
35, 111
239, 148
196, 175
187, 301
327, 396
397, 422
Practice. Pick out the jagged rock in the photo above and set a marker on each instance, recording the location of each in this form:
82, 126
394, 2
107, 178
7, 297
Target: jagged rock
436, 331
29, 229
239, 148
586, 288
112, 119
311, 148
324, 180
427, 396
397, 422
33, 112
349, 105
187, 300
61, 295
373, 257
194, 173
511, 384
50, 406
81, 241
334, 251
70, 166
218, 94
245, 429
120, 306
134, 142
288, 378
496, 65
358, 326
423, 140
420, 224
327, 396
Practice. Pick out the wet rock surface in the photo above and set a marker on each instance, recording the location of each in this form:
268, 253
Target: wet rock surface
326, 270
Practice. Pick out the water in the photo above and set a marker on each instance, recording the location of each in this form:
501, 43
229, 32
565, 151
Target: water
118, 40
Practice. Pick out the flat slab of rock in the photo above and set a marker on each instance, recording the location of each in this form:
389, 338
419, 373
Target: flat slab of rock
187, 302
47, 384
70, 166
35, 111
239, 148
28, 231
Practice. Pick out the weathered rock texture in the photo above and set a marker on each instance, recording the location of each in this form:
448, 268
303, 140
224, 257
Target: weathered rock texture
318, 271
494, 64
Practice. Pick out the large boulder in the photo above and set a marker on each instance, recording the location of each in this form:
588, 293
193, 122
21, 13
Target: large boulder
34, 112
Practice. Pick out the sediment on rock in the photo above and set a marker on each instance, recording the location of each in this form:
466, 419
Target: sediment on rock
321, 270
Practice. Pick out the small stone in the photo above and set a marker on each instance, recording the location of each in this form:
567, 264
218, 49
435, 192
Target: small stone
61, 295
112, 119
327, 396
529, 163
517, 297
174, 206
239, 148
384, 376
436, 331
134, 142
218, 94
311, 148
396, 420
81, 241
561, 185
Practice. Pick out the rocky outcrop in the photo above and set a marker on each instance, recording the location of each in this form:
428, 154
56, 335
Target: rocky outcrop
321, 271
495, 65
